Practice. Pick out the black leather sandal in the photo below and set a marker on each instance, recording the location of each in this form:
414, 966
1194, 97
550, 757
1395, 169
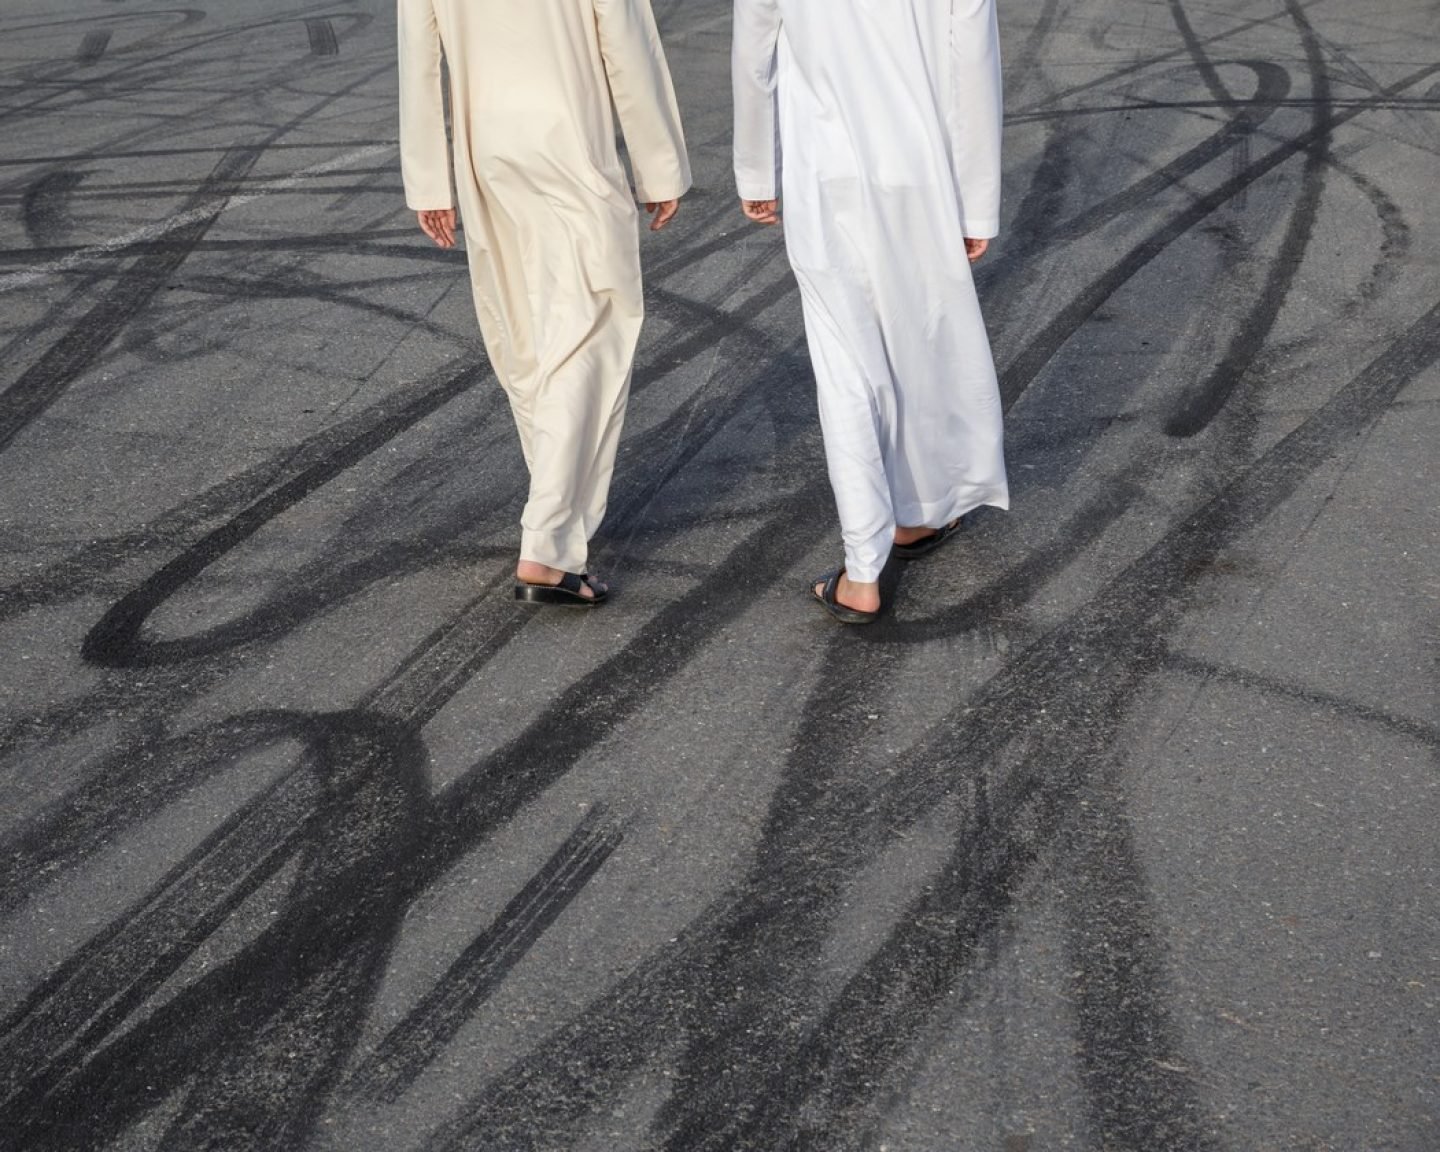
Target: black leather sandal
927, 544
566, 594
841, 612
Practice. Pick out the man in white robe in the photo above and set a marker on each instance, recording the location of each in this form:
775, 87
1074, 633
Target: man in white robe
551, 227
889, 113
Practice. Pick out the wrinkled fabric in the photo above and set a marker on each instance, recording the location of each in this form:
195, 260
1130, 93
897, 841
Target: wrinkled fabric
887, 114
549, 217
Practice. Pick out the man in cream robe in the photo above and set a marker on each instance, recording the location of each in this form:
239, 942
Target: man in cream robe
889, 112
550, 224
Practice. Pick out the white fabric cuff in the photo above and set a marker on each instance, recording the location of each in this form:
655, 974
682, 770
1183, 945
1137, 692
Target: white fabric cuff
755, 187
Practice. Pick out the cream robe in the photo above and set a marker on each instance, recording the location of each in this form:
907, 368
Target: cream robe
549, 216
889, 112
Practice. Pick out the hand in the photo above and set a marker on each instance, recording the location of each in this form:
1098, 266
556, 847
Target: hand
975, 248
761, 211
661, 213
439, 225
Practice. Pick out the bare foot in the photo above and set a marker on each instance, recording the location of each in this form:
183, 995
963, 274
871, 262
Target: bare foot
854, 594
529, 572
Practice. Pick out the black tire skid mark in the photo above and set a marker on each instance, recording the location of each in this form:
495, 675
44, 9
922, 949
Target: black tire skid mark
75, 67
1004, 595
1019, 71
1181, 1120
1065, 694
1200, 403
673, 648
1427, 734
815, 802
291, 284
409, 1047
1395, 242
278, 271
322, 36
45, 207
116, 640
62, 582
584, 714
243, 1037
1002, 600
78, 575
55, 1105
93, 46
187, 16
1273, 85
1272, 88
147, 81
59, 837
1010, 279
1195, 47
1044, 196
1138, 1085
1055, 696
54, 1012
1063, 94
367, 183
368, 244
80, 348
1019, 373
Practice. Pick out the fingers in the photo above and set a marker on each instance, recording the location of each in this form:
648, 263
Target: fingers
661, 213
976, 248
761, 211
439, 225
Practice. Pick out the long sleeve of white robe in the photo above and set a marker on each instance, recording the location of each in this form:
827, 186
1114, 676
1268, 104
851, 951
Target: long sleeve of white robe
549, 216
888, 117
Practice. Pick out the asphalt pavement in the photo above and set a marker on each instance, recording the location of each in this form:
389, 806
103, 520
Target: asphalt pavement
1117, 832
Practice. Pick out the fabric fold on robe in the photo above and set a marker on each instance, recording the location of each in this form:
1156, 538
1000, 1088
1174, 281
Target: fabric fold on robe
549, 217
888, 115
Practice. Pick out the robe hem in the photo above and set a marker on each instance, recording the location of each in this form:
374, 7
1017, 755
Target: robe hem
555, 549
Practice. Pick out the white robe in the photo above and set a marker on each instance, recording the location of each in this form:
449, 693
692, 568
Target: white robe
549, 217
889, 112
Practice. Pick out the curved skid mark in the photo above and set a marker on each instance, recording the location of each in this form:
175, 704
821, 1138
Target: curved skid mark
229, 1032
1017, 376
264, 1035
116, 640
83, 573
1202, 402
1062, 696
74, 354
407, 1049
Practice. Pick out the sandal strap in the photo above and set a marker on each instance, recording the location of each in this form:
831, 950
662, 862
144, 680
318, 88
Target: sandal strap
572, 583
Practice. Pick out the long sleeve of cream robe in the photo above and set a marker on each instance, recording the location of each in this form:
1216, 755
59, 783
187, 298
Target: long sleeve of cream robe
549, 217
888, 115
